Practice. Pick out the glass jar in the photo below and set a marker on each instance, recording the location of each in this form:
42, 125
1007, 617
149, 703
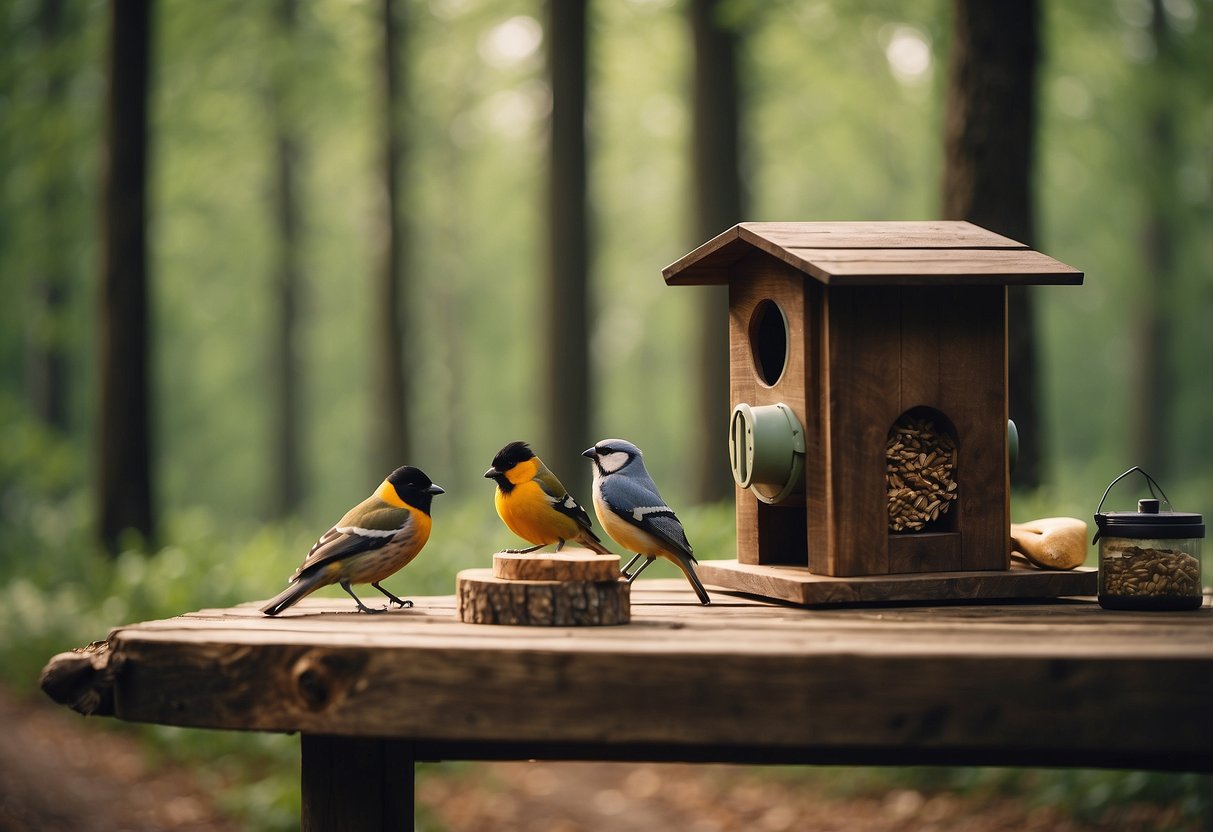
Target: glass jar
1149, 559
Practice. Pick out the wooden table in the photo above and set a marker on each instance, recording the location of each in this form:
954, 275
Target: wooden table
1058, 684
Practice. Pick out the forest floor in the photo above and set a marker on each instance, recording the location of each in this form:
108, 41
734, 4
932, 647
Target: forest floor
59, 771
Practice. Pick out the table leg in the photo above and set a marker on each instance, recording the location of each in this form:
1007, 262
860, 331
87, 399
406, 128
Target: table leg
356, 783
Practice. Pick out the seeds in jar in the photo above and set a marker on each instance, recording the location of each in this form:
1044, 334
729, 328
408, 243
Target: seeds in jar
1140, 571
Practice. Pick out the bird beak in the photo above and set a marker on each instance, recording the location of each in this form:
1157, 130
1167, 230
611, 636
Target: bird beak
492, 472
589, 453
435, 489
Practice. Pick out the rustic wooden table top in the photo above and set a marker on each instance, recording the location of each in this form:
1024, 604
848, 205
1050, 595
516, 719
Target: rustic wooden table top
1062, 683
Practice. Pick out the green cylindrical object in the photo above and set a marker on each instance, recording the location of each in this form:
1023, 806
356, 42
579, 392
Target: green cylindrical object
766, 450
1012, 445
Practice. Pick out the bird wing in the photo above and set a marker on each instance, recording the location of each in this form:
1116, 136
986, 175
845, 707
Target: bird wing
637, 501
560, 499
359, 531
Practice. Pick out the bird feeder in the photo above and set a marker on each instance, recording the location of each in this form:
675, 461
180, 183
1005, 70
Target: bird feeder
869, 436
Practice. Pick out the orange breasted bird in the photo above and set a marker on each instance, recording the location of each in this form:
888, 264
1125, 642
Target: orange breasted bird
634, 514
535, 506
374, 540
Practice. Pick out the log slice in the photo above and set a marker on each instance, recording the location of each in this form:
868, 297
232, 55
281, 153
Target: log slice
485, 599
567, 565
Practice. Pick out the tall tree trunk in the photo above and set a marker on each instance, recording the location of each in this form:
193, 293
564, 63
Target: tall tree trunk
389, 424
719, 204
287, 491
47, 362
566, 387
1153, 388
449, 287
124, 471
989, 146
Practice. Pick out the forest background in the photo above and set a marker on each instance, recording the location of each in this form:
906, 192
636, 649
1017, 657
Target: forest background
294, 196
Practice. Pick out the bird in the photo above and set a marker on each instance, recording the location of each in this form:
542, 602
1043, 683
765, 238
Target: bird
633, 513
374, 540
535, 506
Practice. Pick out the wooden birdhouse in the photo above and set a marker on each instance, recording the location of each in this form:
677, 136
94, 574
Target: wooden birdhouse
869, 435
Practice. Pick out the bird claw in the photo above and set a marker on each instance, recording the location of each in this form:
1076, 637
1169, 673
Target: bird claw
391, 599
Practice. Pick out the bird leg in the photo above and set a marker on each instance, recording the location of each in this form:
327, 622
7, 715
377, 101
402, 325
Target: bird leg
641, 568
361, 606
559, 544
392, 598
627, 569
526, 551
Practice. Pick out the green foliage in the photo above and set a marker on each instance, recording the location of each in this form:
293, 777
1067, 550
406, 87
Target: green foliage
843, 108
48, 188
253, 777
1099, 76
1097, 796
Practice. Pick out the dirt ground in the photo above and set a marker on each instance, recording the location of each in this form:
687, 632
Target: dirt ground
578, 797
59, 771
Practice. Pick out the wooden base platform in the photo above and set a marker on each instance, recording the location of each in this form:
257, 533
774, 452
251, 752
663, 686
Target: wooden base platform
487, 598
798, 585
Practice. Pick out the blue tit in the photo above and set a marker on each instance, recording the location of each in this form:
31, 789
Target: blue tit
535, 506
374, 540
632, 512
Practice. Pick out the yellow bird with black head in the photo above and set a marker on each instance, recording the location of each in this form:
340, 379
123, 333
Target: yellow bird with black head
371, 542
534, 505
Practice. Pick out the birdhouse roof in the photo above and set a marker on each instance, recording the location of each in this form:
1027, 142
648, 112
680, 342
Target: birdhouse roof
876, 254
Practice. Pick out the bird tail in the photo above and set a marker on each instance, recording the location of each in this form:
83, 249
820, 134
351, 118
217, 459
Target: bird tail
589, 540
303, 586
688, 569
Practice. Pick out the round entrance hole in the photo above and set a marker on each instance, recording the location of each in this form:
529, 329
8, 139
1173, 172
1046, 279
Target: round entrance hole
769, 341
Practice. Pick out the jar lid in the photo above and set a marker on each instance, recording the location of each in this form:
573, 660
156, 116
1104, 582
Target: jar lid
1167, 525
1148, 521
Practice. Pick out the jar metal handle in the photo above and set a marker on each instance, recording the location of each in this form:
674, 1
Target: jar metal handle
1149, 480
1151, 484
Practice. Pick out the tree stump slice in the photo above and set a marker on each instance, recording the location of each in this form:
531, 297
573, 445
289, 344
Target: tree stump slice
485, 599
566, 565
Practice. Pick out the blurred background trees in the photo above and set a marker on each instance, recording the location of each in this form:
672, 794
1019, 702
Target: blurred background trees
388, 427
989, 150
346, 234
717, 196
501, 278
560, 323
283, 101
125, 390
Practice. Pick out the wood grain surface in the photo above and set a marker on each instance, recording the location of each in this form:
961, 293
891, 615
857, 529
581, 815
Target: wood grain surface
765, 533
800, 586
567, 565
1061, 683
874, 254
931, 267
